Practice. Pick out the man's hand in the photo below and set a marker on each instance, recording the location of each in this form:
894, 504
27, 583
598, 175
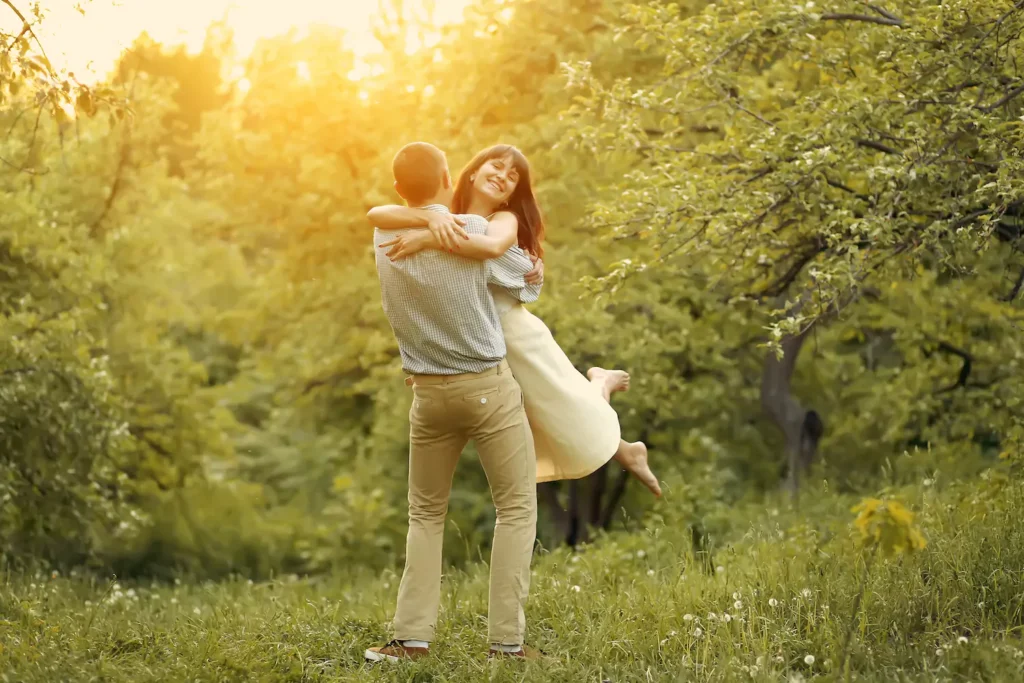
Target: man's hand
447, 230
407, 244
535, 276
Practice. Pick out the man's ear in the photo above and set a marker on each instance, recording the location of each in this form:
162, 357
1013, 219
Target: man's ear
447, 180
399, 190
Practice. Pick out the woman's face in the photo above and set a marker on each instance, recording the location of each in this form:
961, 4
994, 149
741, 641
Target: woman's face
496, 179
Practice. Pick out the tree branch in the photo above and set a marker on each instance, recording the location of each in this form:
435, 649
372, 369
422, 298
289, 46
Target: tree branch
965, 370
863, 17
884, 13
871, 144
1016, 288
1003, 100
27, 26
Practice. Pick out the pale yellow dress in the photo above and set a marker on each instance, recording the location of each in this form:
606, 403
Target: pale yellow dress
574, 428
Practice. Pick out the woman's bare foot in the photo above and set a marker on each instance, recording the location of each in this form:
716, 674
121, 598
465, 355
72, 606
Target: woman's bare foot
609, 381
633, 456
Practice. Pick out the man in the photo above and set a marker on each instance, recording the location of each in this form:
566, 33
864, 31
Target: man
451, 343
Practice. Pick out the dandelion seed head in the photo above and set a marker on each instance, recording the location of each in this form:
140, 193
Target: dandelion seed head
809, 660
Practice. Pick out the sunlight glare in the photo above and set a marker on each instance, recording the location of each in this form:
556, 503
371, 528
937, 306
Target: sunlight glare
90, 45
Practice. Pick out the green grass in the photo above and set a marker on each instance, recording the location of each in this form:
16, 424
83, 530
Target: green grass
645, 610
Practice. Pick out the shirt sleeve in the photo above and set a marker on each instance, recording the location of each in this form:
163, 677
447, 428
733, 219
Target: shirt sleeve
506, 271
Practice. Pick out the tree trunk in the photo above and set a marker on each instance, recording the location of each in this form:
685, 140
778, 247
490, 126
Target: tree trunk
802, 428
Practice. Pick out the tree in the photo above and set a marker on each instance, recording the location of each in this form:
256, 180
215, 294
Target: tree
783, 152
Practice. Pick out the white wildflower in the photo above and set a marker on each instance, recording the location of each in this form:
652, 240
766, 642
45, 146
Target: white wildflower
719, 569
575, 589
962, 640
809, 660
697, 632
736, 595
641, 554
726, 617
650, 572
738, 604
772, 602
687, 617
806, 592
196, 611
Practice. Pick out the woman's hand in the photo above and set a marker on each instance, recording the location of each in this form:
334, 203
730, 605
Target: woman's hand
447, 230
535, 276
408, 243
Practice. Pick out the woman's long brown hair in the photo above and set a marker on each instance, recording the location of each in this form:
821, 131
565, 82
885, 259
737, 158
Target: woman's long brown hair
522, 202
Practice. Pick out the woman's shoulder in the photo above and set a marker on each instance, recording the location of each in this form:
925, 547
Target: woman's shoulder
504, 215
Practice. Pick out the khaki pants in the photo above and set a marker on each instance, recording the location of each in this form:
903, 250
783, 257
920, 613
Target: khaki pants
447, 412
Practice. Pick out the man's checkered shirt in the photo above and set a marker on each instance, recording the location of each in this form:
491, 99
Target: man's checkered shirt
439, 307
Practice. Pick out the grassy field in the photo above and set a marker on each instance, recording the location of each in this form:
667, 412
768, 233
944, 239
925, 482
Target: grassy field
774, 604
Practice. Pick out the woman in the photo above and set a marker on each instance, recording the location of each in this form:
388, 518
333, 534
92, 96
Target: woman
575, 429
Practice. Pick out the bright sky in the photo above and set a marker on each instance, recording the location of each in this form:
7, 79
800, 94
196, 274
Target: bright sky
75, 41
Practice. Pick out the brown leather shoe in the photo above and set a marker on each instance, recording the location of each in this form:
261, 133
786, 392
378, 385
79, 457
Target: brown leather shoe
525, 652
395, 652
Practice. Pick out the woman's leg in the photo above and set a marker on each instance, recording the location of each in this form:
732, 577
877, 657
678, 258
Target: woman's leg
632, 456
608, 381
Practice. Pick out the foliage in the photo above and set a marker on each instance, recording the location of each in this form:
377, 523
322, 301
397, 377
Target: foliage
794, 169
888, 526
192, 320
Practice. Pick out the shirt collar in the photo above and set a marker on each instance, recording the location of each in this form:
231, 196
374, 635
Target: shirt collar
436, 208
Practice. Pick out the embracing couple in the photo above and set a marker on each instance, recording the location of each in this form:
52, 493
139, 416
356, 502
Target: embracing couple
482, 368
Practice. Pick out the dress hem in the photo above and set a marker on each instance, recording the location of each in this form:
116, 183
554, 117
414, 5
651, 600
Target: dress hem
582, 473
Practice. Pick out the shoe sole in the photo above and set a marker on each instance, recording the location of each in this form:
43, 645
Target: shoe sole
372, 656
